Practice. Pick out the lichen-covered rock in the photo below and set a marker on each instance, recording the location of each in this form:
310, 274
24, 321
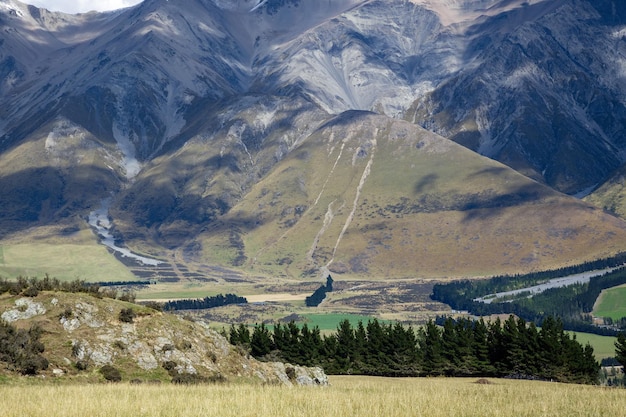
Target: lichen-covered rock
299, 375
24, 309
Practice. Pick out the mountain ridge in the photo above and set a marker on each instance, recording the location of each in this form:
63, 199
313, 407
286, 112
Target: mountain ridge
177, 113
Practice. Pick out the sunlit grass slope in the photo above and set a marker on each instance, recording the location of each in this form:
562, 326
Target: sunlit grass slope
88, 262
370, 196
611, 303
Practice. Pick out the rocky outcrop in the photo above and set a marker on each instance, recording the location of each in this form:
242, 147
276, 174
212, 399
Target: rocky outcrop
83, 332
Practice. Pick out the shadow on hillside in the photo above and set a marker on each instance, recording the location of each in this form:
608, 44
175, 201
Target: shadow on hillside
485, 206
46, 196
426, 183
346, 118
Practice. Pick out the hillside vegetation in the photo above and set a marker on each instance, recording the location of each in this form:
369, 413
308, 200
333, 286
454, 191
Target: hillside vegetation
82, 336
370, 197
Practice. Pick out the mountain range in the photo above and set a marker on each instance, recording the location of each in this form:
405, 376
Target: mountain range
392, 138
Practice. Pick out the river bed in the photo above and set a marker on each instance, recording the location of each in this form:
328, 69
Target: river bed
581, 278
99, 221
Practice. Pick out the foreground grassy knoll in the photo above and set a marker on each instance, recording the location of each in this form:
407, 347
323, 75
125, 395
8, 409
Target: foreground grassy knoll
347, 396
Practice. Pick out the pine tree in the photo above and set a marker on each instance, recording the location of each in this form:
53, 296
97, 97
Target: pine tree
430, 343
328, 354
291, 348
345, 347
261, 342
329, 283
403, 355
532, 351
242, 336
375, 345
449, 344
360, 348
620, 349
309, 346
465, 359
481, 349
552, 356
497, 354
513, 343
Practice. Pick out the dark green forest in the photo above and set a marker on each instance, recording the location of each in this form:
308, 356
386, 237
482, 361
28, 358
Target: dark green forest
573, 304
512, 348
202, 303
319, 294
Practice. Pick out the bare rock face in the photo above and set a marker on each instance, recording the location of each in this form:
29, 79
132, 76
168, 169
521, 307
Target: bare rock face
299, 375
87, 330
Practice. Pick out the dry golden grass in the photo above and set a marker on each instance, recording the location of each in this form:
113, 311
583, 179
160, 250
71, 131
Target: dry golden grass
348, 396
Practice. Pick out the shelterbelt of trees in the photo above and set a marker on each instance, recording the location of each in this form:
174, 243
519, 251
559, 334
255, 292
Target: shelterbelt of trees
573, 304
462, 348
219, 300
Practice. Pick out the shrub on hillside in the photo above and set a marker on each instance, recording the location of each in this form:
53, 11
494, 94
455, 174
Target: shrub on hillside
31, 364
187, 379
81, 365
21, 349
190, 379
129, 297
170, 367
127, 315
110, 373
31, 291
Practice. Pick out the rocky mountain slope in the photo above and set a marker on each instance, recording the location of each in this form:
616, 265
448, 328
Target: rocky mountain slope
81, 334
225, 133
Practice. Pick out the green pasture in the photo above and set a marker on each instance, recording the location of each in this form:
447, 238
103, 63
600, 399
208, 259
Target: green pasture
63, 261
611, 303
331, 321
603, 346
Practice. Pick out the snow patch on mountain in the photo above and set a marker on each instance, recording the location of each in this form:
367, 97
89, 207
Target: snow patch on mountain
12, 8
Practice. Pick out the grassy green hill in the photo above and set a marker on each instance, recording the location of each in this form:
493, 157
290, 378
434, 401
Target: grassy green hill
67, 261
611, 303
611, 196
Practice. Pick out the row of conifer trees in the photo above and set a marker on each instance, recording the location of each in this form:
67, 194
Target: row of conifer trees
464, 347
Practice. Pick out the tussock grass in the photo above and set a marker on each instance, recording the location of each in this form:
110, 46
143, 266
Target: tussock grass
348, 396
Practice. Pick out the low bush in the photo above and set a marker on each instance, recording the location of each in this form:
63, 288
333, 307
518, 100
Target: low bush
110, 373
127, 315
187, 379
30, 292
21, 349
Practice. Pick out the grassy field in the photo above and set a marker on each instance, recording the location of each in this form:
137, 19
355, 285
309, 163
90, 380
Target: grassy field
64, 261
611, 303
347, 396
603, 346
